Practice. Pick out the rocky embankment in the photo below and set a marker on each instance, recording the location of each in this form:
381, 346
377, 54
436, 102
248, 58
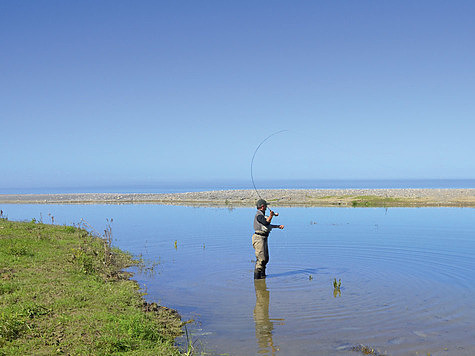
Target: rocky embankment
275, 197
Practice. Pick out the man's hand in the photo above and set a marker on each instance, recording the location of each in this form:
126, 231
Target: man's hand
281, 227
271, 215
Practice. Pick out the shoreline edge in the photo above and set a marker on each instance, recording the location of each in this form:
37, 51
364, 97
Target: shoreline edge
398, 197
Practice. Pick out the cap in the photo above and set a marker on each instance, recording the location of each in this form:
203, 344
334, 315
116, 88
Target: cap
260, 203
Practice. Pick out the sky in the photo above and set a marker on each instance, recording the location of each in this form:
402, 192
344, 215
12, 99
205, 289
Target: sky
143, 92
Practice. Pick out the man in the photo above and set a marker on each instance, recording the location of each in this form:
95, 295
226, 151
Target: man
262, 228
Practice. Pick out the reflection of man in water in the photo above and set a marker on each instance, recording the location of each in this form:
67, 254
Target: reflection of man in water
262, 228
264, 326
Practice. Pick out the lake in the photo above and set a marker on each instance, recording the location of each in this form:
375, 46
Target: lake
407, 275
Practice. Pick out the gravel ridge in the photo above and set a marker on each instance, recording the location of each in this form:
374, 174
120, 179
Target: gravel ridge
275, 197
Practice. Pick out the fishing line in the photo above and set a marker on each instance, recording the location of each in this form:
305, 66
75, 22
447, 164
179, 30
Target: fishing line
254, 155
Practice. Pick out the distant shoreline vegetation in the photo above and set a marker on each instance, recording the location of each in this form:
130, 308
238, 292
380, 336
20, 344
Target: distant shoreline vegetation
201, 185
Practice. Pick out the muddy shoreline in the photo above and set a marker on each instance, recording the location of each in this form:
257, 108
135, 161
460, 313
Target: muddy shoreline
275, 197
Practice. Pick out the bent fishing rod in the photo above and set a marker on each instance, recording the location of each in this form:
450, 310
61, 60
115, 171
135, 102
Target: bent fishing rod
252, 161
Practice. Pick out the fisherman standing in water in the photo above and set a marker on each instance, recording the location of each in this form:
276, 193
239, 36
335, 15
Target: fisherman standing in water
262, 228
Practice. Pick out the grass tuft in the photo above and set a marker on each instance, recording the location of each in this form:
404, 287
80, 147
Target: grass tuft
12, 325
18, 249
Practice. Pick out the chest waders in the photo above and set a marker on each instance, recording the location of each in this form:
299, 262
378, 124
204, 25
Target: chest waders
259, 243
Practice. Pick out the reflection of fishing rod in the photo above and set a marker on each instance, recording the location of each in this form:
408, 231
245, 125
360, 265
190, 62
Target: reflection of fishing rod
254, 155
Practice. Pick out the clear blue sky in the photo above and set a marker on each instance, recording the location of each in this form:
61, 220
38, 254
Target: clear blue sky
126, 92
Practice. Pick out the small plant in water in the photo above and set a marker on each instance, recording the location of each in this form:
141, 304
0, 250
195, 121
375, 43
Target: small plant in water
107, 238
336, 284
366, 350
336, 288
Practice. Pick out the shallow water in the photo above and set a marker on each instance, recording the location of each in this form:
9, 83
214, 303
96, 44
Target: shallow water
407, 275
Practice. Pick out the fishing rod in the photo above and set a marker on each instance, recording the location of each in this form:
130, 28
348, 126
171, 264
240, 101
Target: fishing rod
254, 155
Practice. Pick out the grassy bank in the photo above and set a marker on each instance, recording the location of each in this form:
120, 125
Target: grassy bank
63, 291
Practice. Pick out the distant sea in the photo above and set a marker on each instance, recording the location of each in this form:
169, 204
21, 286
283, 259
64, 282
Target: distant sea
180, 187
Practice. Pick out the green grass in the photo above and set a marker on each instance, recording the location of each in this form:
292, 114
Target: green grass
62, 291
361, 201
371, 200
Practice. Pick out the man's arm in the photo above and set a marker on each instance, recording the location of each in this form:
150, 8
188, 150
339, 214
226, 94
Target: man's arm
267, 221
262, 219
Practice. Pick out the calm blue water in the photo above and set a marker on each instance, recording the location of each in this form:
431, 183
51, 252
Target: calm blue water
408, 284
181, 187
